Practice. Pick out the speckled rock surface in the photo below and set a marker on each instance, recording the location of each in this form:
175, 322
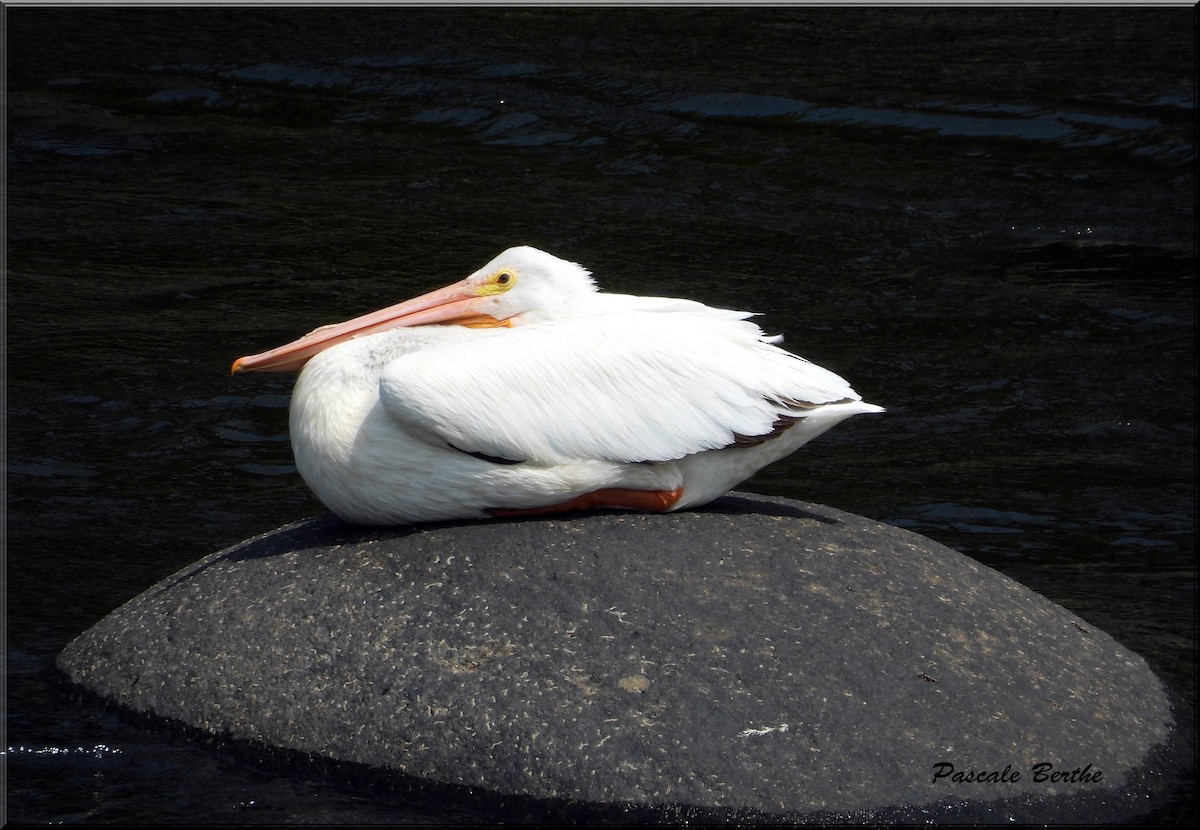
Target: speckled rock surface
759, 655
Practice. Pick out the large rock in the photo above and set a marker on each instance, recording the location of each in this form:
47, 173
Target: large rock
759, 655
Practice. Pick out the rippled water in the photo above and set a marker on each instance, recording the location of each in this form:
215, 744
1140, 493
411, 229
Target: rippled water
984, 219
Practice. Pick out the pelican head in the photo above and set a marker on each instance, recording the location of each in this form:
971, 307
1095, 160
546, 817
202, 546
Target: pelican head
523, 285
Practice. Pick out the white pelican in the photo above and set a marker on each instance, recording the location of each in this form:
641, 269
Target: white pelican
538, 394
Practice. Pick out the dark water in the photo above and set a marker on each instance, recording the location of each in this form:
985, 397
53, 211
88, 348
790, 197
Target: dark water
983, 218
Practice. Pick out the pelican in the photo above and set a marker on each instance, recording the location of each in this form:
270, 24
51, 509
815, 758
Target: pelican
523, 390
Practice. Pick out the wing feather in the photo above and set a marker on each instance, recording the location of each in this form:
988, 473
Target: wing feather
633, 386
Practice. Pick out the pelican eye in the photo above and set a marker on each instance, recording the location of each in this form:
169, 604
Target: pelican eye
498, 282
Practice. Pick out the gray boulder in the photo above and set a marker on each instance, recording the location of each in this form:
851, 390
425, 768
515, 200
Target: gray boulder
758, 656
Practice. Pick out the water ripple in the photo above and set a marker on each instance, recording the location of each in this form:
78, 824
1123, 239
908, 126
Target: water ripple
975, 120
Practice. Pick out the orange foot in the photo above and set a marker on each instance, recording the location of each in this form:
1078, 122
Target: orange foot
647, 501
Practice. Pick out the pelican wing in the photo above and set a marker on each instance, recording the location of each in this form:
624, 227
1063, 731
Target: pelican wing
630, 386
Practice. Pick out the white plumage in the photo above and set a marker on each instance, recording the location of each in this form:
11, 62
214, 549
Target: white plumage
546, 395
